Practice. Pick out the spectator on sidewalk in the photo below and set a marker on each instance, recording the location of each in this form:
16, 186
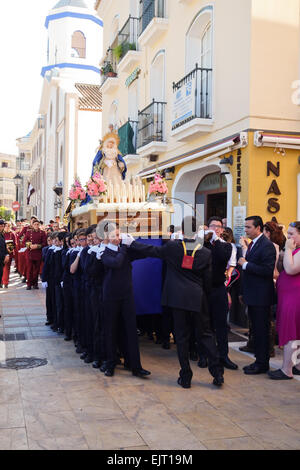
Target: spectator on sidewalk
288, 307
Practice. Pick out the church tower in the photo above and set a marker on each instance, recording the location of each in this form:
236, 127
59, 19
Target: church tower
75, 35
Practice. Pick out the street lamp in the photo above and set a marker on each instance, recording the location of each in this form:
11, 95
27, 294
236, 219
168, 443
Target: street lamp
18, 181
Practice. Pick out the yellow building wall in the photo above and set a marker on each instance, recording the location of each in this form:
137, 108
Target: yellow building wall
259, 183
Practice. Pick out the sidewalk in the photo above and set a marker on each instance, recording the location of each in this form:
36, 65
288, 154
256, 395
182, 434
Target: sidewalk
67, 404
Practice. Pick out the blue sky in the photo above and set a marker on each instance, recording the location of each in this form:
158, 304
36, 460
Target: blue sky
23, 40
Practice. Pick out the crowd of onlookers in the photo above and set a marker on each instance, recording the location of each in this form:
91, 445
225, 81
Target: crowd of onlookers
87, 275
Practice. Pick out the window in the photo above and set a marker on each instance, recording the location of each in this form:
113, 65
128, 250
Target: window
4, 165
199, 41
78, 45
157, 77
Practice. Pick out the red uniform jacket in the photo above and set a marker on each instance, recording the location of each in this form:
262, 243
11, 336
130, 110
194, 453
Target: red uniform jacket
38, 237
10, 239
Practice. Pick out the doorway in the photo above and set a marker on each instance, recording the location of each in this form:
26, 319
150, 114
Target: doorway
212, 194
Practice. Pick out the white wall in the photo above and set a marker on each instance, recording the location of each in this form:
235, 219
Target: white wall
89, 134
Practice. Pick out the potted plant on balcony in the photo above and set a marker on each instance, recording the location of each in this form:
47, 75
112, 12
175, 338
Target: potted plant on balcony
158, 188
96, 188
118, 51
77, 193
107, 70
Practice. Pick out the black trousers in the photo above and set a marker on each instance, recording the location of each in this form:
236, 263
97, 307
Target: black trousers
219, 308
59, 303
98, 323
68, 309
77, 306
88, 319
49, 306
259, 317
184, 321
124, 310
167, 324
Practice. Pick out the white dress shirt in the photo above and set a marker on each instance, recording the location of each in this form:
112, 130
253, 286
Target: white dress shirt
253, 243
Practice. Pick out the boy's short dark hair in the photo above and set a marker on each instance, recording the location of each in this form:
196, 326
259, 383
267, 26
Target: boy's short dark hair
216, 218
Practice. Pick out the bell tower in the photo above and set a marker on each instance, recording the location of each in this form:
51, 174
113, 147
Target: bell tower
75, 35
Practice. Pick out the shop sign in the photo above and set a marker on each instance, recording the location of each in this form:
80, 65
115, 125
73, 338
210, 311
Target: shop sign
183, 107
133, 76
239, 216
273, 202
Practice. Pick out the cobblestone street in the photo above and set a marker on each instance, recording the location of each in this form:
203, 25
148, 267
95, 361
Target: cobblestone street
67, 404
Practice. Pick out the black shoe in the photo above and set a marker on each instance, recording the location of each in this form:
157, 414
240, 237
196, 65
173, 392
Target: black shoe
193, 356
295, 371
54, 328
278, 375
60, 331
103, 367
79, 349
166, 345
142, 373
184, 383
218, 380
246, 349
228, 364
255, 369
96, 364
88, 359
83, 355
202, 363
28, 288
36, 287
109, 372
48, 323
67, 338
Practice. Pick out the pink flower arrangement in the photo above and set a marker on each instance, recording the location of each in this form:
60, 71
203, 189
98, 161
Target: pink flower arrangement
96, 185
158, 186
77, 192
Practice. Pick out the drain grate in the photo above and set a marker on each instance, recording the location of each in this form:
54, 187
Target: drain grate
23, 363
13, 337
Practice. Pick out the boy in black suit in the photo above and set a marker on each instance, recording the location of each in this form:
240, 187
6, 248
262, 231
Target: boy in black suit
186, 289
118, 301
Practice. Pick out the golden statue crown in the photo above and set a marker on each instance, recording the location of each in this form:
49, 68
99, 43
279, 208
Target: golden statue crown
110, 136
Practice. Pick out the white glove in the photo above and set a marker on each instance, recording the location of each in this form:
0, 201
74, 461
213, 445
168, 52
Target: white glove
177, 236
44, 285
127, 239
100, 252
214, 236
61, 284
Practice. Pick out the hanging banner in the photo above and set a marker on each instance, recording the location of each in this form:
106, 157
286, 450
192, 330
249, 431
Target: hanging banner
184, 103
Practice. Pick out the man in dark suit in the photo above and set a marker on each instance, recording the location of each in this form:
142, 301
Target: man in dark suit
218, 301
258, 290
185, 291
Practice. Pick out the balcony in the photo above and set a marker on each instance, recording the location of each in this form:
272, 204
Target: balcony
151, 130
153, 21
192, 104
109, 76
126, 52
128, 142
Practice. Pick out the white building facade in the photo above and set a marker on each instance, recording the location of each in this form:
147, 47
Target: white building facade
68, 129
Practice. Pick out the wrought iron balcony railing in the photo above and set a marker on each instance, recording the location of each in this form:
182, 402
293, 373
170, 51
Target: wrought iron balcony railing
192, 97
151, 124
150, 9
127, 38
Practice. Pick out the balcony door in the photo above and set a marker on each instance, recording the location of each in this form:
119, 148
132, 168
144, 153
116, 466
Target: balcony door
199, 51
